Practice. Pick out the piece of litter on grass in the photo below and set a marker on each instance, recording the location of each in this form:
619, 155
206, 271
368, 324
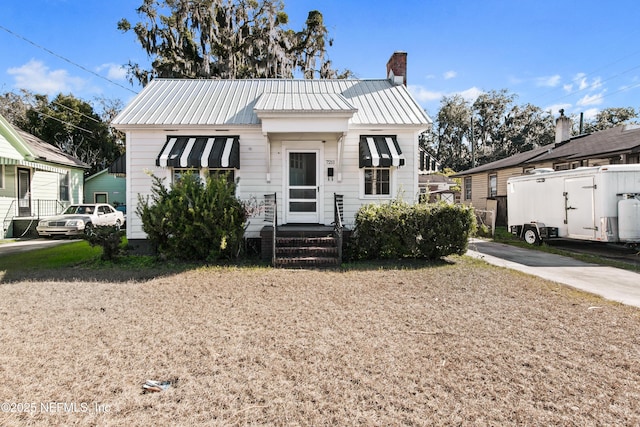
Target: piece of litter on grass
594, 308
152, 386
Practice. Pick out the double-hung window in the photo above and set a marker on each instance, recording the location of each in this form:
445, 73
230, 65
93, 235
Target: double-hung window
467, 188
377, 181
493, 185
64, 187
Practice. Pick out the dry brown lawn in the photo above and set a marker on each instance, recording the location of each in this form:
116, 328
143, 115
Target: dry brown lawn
461, 343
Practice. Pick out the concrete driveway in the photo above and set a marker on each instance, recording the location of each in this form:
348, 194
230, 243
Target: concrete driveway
30, 244
611, 283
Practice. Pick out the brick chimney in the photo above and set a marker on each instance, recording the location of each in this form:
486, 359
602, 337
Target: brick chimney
563, 128
397, 68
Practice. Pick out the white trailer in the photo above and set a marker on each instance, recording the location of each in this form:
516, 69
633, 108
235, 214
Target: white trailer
592, 203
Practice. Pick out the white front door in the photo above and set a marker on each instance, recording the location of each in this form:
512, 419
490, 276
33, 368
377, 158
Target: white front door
302, 191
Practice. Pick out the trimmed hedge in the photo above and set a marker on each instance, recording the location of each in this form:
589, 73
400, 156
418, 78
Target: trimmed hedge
194, 220
400, 230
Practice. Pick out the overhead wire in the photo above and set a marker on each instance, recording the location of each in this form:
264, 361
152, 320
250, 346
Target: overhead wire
602, 81
74, 64
65, 59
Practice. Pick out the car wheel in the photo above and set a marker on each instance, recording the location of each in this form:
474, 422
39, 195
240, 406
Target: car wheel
118, 224
531, 236
88, 229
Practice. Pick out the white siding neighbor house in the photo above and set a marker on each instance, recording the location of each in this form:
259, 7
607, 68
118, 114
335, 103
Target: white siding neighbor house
36, 180
303, 140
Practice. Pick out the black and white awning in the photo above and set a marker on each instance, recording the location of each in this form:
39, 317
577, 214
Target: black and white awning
380, 151
220, 152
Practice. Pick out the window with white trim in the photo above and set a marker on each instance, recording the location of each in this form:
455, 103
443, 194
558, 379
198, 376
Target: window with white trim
467, 188
100, 197
377, 181
493, 185
64, 187
229, 173
178, 173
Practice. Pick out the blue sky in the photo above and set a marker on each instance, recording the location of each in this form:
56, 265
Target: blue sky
581, 56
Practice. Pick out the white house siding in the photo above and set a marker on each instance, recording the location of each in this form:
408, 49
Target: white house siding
5, 205
44, 185
144, 146
76, 186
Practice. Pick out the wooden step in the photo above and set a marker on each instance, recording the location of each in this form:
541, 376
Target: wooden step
303, 251
305, 241
301, 262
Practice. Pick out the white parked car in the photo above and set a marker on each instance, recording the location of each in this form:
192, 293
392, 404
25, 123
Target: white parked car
79, 219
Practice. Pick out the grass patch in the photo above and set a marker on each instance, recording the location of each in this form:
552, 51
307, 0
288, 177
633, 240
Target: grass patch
65, 255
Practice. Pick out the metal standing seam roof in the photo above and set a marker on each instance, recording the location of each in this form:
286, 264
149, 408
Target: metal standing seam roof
233, 102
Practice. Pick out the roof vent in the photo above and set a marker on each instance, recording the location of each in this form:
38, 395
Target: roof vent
540, 170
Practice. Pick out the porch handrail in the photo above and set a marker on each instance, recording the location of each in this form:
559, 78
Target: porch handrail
8, 218
338, 215
271, 215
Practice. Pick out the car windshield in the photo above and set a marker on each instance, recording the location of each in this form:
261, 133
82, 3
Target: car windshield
79, 209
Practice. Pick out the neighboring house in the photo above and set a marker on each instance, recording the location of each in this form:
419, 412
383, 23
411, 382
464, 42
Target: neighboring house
36, 179
485, 187
107, 186
303, 140
436, 187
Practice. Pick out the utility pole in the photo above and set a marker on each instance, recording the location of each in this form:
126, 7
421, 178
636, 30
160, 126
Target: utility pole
473, 147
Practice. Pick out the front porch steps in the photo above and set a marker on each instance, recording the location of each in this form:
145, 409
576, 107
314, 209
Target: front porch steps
306, 252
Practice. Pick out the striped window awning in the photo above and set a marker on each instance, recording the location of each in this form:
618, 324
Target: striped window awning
220, 152
380, 151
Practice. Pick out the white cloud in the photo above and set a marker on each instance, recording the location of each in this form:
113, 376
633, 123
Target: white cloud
423, 95
37, 77
470, 94
568, 87
449, 75
548, 81
594, 99
581, 79
114, 71
591, 113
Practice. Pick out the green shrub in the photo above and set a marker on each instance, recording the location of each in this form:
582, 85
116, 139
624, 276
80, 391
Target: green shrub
399, 230
109, 237
194, 220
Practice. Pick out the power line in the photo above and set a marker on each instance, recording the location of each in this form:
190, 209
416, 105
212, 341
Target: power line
65, 59
66, 123
605, 80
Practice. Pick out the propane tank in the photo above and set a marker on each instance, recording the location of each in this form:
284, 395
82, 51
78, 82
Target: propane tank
629, 218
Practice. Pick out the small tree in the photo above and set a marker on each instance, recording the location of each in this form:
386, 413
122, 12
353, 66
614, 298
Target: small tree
109, 237
194, 220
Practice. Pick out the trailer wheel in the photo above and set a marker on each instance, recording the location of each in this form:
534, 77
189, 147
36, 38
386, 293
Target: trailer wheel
531, 236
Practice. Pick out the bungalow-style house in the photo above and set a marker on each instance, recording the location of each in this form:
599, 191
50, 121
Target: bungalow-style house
108, 186
304, 141
36, 180
485, 187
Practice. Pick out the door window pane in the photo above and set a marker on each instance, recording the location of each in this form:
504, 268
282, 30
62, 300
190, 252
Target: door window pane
302, 169
304, 193
302, 206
